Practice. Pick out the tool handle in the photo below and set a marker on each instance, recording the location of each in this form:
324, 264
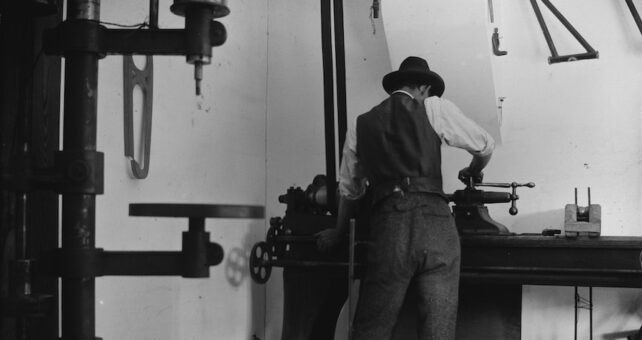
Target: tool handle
506, 185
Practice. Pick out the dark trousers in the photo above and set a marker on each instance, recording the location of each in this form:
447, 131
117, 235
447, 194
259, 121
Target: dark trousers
414, 240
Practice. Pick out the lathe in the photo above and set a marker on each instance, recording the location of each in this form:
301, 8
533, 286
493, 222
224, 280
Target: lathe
290, 241
320, 278
495, 261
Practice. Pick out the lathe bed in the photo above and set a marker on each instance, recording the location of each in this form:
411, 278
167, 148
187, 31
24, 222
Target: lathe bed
607, 261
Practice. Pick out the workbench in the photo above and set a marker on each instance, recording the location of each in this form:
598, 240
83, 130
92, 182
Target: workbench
494, 268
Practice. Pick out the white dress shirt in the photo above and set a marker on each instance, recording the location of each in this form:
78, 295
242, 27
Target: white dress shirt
450, 124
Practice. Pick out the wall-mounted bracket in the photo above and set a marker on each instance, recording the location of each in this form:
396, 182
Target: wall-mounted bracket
635, 13
495, 41
144, 79
90, 36
555, 57
195, 258
77, 172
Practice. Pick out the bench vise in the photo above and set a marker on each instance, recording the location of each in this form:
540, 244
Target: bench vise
471, 215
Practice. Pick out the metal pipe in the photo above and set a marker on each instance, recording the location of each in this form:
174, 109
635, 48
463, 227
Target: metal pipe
351, 277
79, 210
636, 15
328, 100
340, 62
591, 312
575, 323
542, 24
153, 14
568, 26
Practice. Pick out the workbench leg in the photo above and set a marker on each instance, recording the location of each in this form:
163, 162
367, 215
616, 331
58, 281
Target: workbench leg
493, 310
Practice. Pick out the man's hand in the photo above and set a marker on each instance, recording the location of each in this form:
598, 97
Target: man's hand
465, 175
328, 238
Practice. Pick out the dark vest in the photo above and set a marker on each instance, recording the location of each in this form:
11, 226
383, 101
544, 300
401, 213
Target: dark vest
397, 145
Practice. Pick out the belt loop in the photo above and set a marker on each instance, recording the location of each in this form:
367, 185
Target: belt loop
398, 190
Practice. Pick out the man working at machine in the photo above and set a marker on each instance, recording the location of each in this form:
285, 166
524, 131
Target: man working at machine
395, 150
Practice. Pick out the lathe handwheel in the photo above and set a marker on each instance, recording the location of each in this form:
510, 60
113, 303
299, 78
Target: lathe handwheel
260, 266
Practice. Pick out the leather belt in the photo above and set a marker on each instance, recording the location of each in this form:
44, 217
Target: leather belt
383, 189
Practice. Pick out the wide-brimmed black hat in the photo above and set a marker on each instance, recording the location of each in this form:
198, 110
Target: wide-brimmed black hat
414, 69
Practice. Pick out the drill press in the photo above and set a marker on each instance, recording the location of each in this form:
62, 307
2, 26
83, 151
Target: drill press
198, 32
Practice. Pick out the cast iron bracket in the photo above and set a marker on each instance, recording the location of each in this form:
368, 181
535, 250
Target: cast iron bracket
555, 57
193, 261
79, 172
90, 36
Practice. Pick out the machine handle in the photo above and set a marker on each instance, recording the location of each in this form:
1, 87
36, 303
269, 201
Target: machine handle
506, 185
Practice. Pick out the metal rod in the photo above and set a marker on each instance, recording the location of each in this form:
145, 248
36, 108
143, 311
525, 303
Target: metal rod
142, 263
351, 276
573, 57
568, 26
490, 11
575, 323
636, 15
79, 210
153, 14
551, 270
328, 100
591, 312
542, 24
310, 264
589, 196
340, 62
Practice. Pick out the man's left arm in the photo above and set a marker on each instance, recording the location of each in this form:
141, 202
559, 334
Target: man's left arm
352, 186
459, 131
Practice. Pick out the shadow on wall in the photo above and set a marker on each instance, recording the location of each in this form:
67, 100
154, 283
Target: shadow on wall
237, 273
535, 222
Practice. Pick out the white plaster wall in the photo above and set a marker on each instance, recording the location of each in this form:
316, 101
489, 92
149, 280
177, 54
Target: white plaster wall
564, 126
258, 129
207, 149
571, 125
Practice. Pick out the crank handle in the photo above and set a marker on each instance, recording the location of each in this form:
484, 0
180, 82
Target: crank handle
506, 185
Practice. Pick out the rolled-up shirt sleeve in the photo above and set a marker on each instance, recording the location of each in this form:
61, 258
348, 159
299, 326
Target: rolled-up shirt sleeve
457, 130
352, 183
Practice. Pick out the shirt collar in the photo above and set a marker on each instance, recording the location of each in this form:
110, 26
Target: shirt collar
404, 92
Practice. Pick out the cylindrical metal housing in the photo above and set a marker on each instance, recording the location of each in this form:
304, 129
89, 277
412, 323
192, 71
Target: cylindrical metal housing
218, 8
197, 35
79, 210
83, 10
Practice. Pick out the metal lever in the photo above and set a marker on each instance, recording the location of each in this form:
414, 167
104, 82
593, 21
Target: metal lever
506, 185
513, 197
132, 77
